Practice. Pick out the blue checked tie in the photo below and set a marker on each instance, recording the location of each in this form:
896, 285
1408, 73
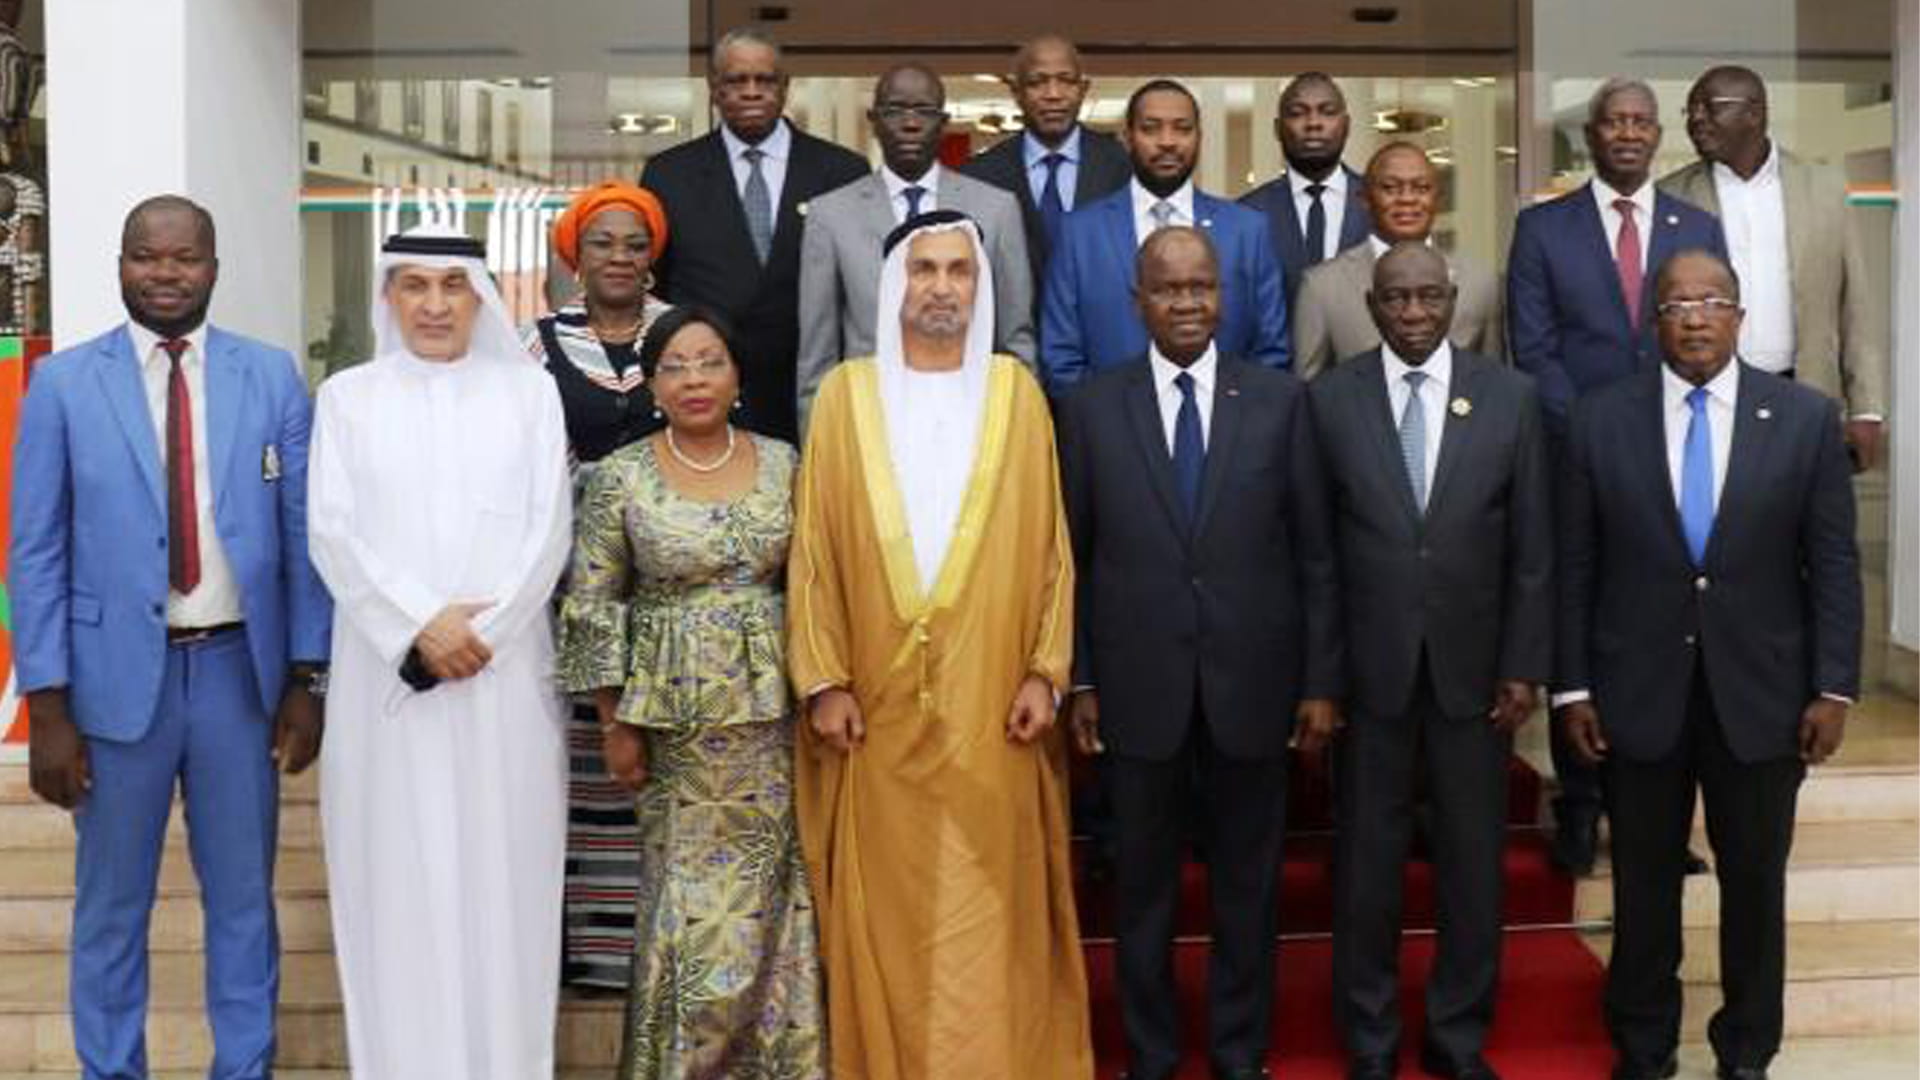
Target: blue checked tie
759, 205
1696, 478
1053, 209
1189, 449
1413, 439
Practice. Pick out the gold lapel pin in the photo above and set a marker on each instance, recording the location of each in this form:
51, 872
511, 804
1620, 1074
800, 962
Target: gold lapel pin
1461, 406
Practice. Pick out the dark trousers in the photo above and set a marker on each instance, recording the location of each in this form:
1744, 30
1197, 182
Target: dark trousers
1464, 759
1245, 814
1750, 809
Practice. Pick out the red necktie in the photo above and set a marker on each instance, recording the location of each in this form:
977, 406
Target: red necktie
1626, 259
183, 509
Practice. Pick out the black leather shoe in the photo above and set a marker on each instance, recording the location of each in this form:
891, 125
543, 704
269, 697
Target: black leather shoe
1741, 1072
1435, 1062
1662, 1071
1574, 844
1378, 1067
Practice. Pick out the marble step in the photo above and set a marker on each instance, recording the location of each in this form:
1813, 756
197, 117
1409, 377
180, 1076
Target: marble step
1843, 979
14, 788
43, 826
1858, 793
1850, 871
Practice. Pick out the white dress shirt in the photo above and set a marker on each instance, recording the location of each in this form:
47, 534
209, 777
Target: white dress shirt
1143, 204
1168, 395
1610, 217
1753, 212
1333, 202
777, 147
216, 599
1035, 154
897, 191
1723, 394
1433, 397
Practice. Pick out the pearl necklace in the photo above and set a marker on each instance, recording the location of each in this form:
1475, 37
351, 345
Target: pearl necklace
673, 447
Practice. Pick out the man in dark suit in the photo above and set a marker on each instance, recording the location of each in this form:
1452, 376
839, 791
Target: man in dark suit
1317, 208
1055, 163
1579, 304
1208, 623
734, 200
1709, 638
1446, 541
1088, 319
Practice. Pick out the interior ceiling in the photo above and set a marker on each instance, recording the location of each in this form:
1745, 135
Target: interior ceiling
504, 38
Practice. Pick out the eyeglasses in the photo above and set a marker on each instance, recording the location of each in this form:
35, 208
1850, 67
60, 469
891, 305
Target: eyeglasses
1679, 310
1718, 105
926, 114
675, 370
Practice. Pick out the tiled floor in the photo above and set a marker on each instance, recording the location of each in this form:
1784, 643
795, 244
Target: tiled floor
1881, 1058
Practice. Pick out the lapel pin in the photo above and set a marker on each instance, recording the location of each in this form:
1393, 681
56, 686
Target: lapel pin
801, 209
1233, 391
1763, 413
1461, 406
1206, 223
1673, 219
270, 463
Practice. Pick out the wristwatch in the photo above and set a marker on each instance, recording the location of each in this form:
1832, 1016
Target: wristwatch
314, 676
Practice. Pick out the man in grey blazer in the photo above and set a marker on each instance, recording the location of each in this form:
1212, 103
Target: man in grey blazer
1815, 315
840, 248
1331, 320
1436, 465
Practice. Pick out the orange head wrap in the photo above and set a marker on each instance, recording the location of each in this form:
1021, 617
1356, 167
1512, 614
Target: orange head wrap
608, 195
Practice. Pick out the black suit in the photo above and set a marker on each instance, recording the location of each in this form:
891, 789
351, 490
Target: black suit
710, 258
1103, 169
1275, 199
1439, 608
1200, 641
1700, 675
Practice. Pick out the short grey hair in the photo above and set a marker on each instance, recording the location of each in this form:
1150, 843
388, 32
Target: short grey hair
741, 35
1618, 84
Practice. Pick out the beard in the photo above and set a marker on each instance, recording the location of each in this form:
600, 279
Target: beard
1161, 187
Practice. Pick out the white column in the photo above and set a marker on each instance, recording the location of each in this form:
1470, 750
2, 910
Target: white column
1905, 429
1211, 173
194, 97
1475, 168
1267, 159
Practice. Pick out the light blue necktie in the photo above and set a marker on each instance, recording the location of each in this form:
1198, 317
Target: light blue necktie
1696, 478
758, 204
1189, 446
1162, 214
1413, 439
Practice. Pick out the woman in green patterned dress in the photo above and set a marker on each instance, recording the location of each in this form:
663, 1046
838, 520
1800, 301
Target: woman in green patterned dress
673, 619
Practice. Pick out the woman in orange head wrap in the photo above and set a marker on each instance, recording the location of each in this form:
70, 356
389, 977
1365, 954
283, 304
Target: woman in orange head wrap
609, 237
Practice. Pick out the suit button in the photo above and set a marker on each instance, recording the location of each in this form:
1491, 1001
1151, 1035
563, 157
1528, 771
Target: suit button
1690, 640
160, 611
1700, 583
160, 542
1196, 581
1423, 553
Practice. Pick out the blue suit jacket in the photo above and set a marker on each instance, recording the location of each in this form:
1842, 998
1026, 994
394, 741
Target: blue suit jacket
87, 567
1088, 317
1567, 320
1275, 200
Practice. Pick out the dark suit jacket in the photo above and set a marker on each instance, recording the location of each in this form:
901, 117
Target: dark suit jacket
1470, 583
1244, 606
1776, 608
1088, 317
710, 259
1275, 199
1103, 169
1567, 320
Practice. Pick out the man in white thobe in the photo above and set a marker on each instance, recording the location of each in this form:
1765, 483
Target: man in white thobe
440, 520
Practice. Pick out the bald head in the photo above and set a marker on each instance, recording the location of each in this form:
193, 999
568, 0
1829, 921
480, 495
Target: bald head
1412, 300
1403, 192
1179, 292
1049, 86
1727, 118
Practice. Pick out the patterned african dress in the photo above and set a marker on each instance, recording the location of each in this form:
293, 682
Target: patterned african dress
608, 405
679, 602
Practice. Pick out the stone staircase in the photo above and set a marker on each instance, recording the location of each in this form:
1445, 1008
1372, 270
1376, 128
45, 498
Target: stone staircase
1853, 893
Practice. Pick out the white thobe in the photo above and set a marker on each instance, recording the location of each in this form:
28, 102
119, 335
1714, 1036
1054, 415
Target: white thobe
445, 811
933, 429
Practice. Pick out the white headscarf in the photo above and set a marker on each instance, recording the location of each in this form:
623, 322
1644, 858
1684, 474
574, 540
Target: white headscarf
933, 418
494, 338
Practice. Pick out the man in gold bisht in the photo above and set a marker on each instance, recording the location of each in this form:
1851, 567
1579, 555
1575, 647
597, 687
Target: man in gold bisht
931, 610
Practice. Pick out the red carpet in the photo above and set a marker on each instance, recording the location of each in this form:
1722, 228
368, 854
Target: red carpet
1547, 1023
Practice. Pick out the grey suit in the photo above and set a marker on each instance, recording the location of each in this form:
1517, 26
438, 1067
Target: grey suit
1439, 607
1331, 322
840, 271
1839, 312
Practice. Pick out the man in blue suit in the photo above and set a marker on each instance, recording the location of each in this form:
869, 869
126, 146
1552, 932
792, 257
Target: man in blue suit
1088, 316
169, 631
1318, 207
1580, 316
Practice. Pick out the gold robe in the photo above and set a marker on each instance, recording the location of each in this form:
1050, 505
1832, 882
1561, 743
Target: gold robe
938, 849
